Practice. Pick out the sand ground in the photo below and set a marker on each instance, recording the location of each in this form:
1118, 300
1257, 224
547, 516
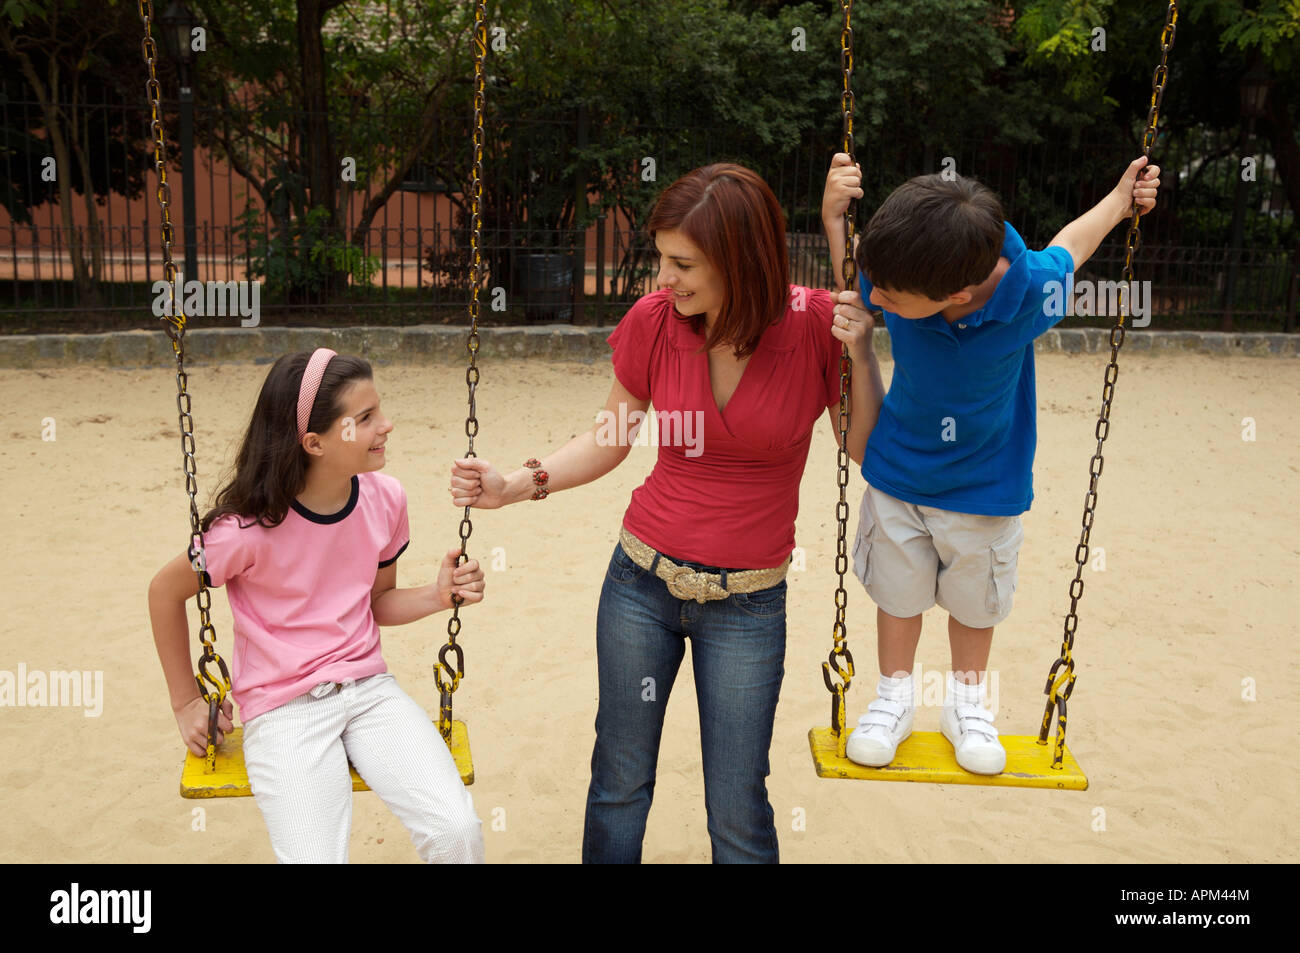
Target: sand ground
1182, 715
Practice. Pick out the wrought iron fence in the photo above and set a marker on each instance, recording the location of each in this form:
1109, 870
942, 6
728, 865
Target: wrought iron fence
410, 265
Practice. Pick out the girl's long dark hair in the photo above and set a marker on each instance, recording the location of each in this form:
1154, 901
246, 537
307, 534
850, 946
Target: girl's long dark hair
271, 467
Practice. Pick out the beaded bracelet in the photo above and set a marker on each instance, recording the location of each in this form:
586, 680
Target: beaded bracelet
540, 477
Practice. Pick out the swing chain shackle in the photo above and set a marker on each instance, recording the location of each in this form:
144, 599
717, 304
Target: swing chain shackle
1060, 679
840, 659
174, 325
447, 685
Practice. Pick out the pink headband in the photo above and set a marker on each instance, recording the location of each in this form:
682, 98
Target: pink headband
311, 378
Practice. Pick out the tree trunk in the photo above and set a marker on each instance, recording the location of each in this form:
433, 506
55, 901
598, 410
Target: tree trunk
1286, 151
46, 94
433, 106
318, 145
88, 198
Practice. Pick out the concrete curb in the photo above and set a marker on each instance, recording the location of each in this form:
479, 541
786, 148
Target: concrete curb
555, 342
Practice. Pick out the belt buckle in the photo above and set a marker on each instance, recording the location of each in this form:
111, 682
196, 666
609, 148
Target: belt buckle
687, 583
324, 689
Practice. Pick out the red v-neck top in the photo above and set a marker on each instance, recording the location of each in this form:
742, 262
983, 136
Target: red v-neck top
730, 497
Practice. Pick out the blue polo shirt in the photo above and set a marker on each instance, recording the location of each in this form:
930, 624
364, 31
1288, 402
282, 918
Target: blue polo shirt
958, 426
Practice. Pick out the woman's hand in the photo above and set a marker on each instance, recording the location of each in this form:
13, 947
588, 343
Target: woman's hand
465, 581
843, 183
476, 483
852, 324
192, 719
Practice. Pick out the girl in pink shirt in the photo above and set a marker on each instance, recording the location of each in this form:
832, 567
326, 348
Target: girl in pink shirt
305, 538
739, 365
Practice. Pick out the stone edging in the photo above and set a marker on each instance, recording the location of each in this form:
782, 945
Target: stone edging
446, 344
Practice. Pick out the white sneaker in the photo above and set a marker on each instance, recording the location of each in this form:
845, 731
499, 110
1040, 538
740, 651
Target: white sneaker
974, 739
879, 733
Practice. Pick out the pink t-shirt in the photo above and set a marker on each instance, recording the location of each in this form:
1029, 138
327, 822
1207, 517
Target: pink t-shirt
730, 500
300, 592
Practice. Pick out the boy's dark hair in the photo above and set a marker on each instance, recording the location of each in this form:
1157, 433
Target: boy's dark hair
933, 237
271, 466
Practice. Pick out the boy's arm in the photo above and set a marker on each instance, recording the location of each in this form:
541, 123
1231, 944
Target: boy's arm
853, 325
866, 393
1137, 186
843, 183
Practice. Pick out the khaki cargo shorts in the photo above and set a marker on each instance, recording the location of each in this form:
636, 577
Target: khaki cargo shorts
912, 557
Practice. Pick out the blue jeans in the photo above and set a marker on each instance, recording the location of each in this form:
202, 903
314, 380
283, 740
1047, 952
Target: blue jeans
738, 653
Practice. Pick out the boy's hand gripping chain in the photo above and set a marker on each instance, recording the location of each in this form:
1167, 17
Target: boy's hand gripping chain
1060, 679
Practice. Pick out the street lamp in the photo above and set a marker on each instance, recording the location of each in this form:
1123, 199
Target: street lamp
178, 23
1253, 89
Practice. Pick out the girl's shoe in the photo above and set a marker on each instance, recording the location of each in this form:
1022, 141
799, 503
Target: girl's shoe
880, 731
974, 739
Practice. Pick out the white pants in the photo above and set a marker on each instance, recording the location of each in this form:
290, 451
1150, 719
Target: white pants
297, 757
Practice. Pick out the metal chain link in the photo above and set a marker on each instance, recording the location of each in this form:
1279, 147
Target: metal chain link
447, 685
840, 650
1061, 677
174, 325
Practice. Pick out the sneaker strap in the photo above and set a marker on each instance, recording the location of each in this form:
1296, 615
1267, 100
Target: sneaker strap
975, 718
883, 713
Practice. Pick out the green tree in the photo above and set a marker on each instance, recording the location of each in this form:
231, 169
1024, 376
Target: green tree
72, 55
1217, 43
304, 85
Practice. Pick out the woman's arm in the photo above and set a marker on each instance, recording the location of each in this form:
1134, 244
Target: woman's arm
585, 458
175, 583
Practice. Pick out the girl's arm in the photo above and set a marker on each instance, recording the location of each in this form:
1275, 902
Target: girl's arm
174, 584
585, 458
393, 606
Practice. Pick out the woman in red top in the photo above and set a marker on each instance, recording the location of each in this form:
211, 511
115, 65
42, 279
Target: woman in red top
739, 365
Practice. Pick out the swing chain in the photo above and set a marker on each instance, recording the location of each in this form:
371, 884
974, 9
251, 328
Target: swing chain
174, 325
1061, 677
840, 650
448, 685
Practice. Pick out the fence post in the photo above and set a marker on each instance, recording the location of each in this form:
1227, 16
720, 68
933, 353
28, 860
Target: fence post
1293, 290
187, 180
580, 230
600, 271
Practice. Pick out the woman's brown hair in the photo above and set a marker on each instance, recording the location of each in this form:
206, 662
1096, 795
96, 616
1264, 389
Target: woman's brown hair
731, 215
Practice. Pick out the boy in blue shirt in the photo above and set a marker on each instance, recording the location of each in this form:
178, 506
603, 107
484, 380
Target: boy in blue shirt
949, 463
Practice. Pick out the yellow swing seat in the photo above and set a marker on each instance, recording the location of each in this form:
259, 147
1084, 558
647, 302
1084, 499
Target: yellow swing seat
928, 756
230, 779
